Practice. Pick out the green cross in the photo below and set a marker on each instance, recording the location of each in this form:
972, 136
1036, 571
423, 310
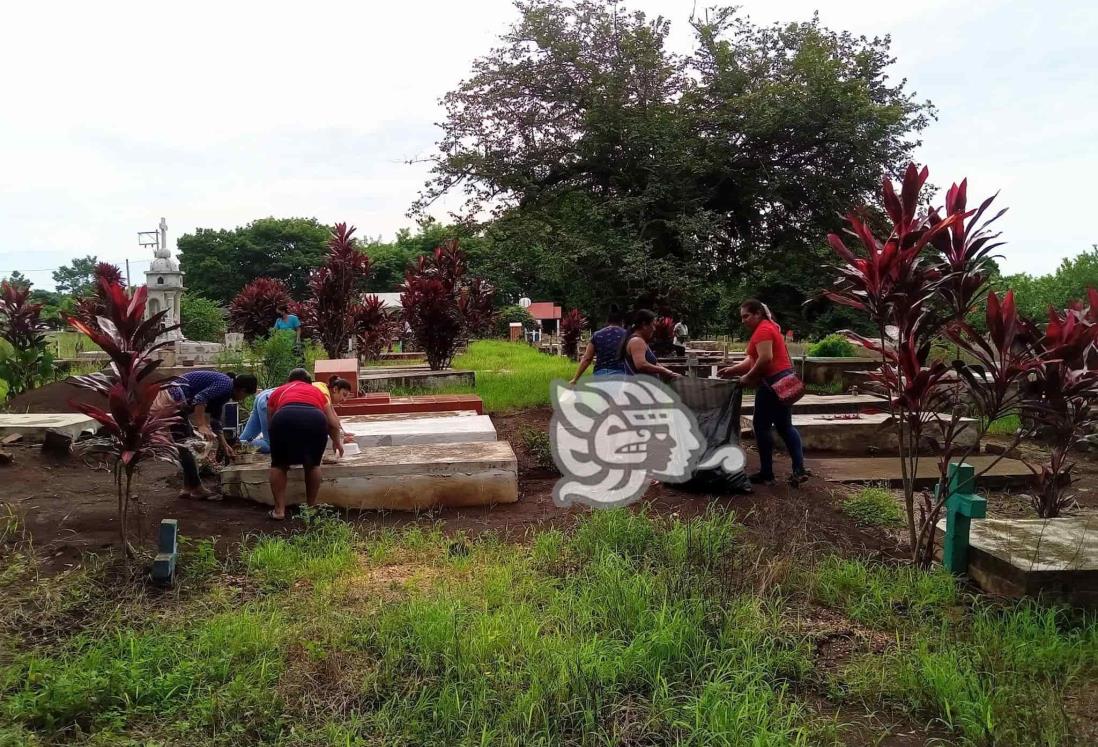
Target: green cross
962, 506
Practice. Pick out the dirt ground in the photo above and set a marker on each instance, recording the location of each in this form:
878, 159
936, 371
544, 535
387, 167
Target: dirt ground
70, 508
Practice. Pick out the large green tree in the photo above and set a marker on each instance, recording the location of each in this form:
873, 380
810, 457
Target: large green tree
77, 278
389, 261
620, 172
219, 263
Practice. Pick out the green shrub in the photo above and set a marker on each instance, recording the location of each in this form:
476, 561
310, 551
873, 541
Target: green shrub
833, 346
203, 320
509, 314
873, 507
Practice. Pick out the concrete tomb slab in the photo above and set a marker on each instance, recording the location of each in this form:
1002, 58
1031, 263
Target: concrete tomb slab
409, 416
33, 426
1056, 558
821, 404
398, 478
1007, 472
374, 380
839, 432
405, 432
425, 403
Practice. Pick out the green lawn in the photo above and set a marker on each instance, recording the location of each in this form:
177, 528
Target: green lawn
510, 375
628, 630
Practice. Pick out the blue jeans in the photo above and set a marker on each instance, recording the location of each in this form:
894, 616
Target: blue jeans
256, 429
771, 413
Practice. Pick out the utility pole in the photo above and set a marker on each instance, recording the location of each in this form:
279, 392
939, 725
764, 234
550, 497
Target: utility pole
128, 283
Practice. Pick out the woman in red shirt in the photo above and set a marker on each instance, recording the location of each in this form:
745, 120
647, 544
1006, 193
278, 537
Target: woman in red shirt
302, 421
766, 363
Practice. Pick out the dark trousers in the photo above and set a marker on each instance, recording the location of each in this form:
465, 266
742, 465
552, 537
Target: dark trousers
771, 413
181, 432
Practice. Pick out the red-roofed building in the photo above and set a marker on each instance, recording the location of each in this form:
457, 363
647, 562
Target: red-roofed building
547, 314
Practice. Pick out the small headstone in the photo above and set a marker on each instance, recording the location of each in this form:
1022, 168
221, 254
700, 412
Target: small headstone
163, 570
6, 458
962, 506
57, 444
11, 439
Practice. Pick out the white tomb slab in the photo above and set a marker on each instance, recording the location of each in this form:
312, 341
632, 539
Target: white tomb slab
409, 416
408, 432
33, 426
400, 478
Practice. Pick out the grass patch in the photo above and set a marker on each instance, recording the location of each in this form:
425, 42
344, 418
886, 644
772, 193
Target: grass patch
510, 375
1007, 425
629, 629
873, 507
832, 387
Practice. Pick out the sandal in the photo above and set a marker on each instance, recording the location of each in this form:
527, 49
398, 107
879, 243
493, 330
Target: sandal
272, 517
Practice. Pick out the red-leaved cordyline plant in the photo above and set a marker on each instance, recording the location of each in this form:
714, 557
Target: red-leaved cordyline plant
135, 431
90, 307
1058, 404
336, 289
431, 310
919, 281
374, 328
476, 304
442, 306
21, 326
571, 326
254, 310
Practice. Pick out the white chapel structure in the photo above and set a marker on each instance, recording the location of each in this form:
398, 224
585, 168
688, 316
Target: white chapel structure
165, 282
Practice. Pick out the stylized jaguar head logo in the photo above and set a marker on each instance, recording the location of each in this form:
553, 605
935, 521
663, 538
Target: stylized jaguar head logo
612, 436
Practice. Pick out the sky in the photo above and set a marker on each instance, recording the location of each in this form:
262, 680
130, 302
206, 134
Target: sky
215, 114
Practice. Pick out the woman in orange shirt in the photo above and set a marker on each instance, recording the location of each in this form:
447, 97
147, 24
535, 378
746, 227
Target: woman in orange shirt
768, 362
302, 421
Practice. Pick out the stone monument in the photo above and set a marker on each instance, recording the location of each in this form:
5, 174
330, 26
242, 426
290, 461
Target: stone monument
165, 283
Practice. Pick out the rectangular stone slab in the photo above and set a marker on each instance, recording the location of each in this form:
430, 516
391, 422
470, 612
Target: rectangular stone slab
816, 404
405, 432
425, 403
33, 426
397, 478
1054, 558
1007, 472
409, 416
372, 380
829, 432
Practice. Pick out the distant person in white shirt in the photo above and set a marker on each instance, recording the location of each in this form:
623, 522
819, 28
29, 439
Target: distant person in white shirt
682, 333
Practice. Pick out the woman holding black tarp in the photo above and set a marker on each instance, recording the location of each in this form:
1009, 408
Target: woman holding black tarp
768, 368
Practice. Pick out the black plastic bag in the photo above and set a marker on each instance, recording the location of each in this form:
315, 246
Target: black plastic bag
716, 405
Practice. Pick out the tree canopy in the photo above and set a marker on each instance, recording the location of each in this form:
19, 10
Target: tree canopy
77, 278
1035, 293
219, 263
617, 171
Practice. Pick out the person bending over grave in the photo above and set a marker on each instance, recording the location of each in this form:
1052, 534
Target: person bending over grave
767, 362
635, 352
202, 395
257, 431
604, 347
302, 421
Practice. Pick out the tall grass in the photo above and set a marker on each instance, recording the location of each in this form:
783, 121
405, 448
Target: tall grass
625, 630
509, 375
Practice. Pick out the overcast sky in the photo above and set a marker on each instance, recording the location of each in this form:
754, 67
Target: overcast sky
213, 114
